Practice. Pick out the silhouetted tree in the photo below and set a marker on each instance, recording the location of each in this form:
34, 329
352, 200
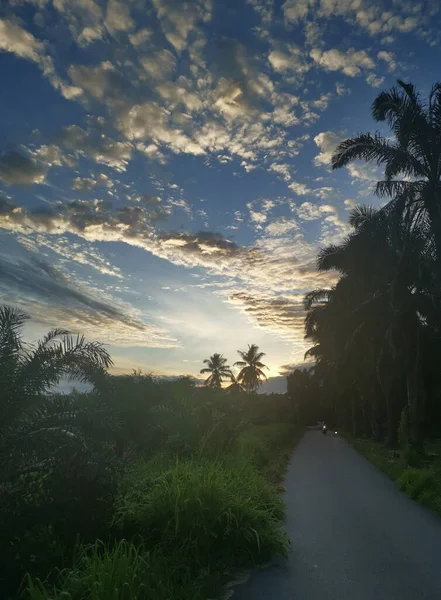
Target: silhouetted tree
218, 369
251, 374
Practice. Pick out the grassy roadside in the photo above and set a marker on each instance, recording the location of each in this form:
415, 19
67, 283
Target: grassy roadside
185, 526
417, 476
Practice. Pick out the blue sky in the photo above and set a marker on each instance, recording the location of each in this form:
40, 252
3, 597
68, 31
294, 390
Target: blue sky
164, 164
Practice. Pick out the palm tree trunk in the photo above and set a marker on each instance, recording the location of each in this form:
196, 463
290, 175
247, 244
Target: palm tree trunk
434, 211
415, 396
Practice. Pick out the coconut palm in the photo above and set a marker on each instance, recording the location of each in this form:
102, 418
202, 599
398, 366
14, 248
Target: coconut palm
218, 369
412, 158
251, 374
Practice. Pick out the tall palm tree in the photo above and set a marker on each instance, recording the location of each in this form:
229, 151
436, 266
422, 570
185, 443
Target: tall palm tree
218, 369
251, 374
412, 158
370, 325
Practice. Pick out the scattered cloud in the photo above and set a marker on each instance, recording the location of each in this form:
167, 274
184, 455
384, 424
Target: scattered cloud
50, 297
351, 63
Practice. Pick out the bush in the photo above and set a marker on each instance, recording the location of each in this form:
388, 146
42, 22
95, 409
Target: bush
121, 573
212, 512
422, 485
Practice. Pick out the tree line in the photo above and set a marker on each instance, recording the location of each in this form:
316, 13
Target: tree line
376, 332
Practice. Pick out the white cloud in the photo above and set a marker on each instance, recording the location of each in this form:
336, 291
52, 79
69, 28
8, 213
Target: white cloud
103, 150
118, 16
308, 211
140, 37
349, 204
179, 19
15, 39
97, 81
159, 65
150, 121
299, 188
389, 58
290, 59
327, 141
295, 10
374, 80
351, 62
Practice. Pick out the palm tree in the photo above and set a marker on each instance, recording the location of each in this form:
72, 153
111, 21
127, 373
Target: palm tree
33, 421
369, 327
251, 374
218, 369
412, 158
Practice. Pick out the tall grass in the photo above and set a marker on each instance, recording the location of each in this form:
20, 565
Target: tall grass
121, 573
268, 447
215, 512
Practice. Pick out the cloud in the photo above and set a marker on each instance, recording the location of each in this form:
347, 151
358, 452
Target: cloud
292, 59
97, 81
389, 58
374, 80
179, 19
159, 65
308, 211
118, 16
151, 121
15, 39
282, 315
54, 300
141, 36
327, 141
102, 149
86, 184
351, 62
295, 10
299, 188
17, 169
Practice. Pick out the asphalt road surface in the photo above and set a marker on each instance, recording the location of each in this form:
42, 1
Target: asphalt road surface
354, 536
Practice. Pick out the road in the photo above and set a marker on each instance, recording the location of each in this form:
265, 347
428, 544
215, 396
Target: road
354, 536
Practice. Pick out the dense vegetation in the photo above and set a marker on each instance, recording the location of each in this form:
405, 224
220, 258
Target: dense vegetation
376, 332
141, 488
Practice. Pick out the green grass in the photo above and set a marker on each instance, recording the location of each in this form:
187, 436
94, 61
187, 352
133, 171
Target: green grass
191, 524
125, 572
422, 483
269, 447
217, 512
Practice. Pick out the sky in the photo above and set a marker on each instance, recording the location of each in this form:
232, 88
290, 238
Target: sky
165, 179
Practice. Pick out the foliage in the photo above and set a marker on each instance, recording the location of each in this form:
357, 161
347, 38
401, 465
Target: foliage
251, 373
268, 447
422, 484
151, 467
125, 572
218, 369
215, 512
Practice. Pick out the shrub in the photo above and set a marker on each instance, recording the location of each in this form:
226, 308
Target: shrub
419, 483
214, 513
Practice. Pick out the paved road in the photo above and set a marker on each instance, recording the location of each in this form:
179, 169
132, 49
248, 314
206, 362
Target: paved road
354, 536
